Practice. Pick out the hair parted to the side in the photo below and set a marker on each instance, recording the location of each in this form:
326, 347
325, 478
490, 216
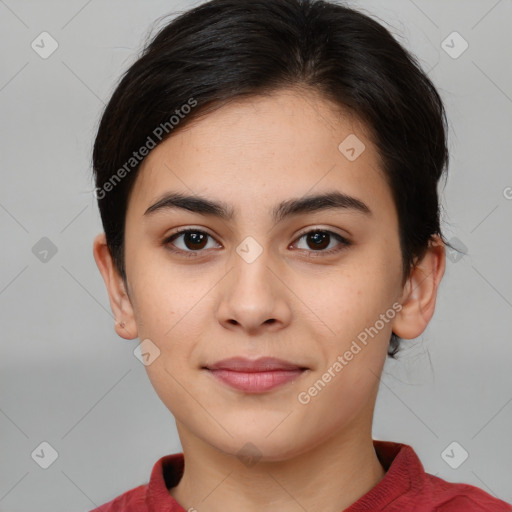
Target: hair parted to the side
224, 50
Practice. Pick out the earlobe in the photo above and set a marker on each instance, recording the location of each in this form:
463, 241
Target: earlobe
420, 292
120, 303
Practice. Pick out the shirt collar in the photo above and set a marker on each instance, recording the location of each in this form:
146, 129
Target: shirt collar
404, 473
403, 468
166, 474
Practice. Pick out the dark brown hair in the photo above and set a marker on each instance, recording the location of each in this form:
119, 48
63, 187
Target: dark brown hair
229, 49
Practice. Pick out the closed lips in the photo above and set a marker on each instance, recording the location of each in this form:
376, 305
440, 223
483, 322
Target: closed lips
265, 364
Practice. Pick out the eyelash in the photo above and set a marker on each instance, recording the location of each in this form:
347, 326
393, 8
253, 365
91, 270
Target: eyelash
321, 253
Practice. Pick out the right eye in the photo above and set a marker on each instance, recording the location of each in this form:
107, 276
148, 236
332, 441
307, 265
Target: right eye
192, 241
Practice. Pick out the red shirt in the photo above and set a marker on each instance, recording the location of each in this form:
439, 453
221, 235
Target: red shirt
405, 487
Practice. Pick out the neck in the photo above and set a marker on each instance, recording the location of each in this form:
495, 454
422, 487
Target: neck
330, 476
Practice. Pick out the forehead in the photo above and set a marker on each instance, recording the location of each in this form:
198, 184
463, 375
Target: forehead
263, 150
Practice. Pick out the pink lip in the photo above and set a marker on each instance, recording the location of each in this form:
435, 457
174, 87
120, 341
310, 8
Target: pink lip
255, 376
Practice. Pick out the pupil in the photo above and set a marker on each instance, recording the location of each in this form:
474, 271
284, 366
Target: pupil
194, 239
319, 239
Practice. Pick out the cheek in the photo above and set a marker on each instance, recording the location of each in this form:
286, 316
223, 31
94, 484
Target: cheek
353, 296
161, 294
170, 310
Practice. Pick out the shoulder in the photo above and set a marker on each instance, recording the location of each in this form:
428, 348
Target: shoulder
153, 495
453, 497
133, 500
406, 486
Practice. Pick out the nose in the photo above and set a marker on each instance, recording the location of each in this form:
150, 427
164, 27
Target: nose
252, 298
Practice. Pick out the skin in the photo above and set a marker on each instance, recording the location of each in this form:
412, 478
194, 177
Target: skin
253, 154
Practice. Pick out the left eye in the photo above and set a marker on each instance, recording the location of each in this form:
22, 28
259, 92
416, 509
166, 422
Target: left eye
193, 241
320, 239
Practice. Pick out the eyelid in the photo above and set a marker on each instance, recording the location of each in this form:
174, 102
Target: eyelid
316, 228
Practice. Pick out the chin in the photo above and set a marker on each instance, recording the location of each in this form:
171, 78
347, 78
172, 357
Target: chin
257, 445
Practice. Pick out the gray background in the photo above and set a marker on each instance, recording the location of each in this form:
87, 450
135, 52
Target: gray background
67, 379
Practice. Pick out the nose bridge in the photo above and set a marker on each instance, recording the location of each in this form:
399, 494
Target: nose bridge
251, 275
251, 295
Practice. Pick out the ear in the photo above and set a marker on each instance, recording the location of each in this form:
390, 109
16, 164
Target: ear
420, 291
120, 303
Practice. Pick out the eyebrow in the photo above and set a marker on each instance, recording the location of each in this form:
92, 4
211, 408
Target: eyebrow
291, 207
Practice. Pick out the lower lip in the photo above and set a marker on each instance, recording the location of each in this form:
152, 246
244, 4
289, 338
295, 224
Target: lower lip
256, 382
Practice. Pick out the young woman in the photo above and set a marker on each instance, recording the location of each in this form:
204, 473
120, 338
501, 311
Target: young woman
267, 175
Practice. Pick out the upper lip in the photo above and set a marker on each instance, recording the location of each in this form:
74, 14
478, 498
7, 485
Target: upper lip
242, 364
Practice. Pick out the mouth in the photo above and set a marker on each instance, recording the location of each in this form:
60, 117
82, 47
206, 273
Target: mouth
255, 376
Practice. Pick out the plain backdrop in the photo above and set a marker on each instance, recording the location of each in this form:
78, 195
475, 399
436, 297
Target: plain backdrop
68, 380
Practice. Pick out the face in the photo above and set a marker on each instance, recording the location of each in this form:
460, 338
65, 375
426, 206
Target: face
316, 284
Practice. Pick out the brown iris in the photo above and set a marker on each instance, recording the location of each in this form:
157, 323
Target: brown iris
320, 239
